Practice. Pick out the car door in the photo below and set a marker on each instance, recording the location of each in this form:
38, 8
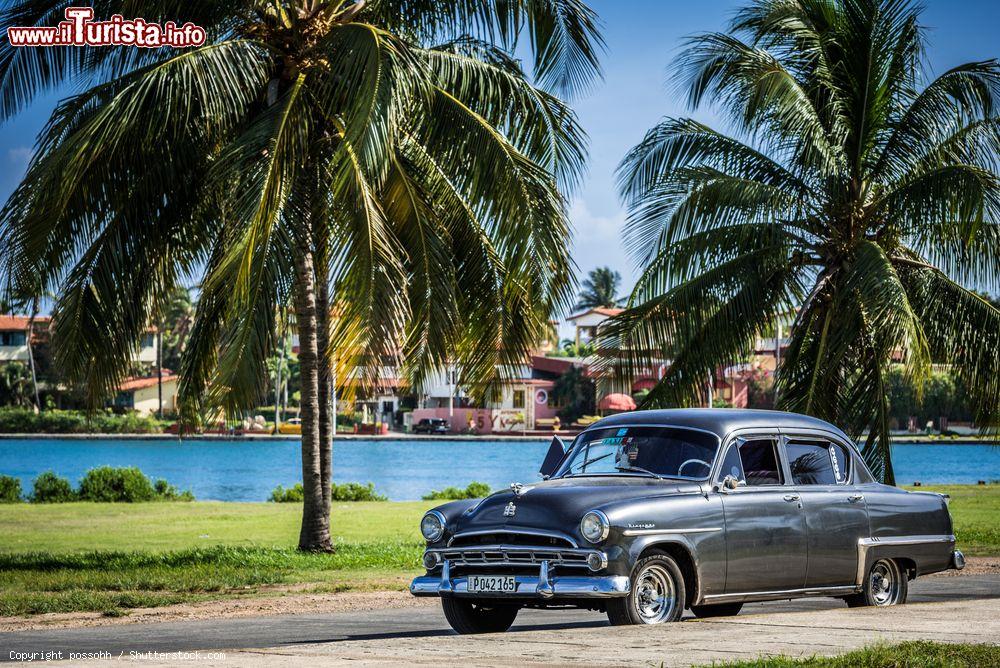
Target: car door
765, 528
835, 512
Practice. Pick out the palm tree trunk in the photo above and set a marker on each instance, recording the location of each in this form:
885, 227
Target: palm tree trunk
315, 532
325, 389
159, 372
31, 352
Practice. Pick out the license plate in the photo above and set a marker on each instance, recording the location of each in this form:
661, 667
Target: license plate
497, 584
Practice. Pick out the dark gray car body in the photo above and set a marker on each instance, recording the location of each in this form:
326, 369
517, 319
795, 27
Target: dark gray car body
743, 544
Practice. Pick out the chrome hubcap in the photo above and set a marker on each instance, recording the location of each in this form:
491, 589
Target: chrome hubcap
884, 583
654, 595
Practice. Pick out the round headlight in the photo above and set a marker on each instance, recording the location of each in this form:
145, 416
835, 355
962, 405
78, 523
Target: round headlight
432, 526
595, 526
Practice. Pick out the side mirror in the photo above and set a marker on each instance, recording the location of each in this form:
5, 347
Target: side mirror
557, 450
729, 483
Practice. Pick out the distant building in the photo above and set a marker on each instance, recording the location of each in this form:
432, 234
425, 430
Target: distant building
140, 394
586, 323
14, 336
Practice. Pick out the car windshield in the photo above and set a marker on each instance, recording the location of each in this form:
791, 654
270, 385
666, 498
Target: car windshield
671, 452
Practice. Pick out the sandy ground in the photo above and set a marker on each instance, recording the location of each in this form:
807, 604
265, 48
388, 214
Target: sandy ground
294, 602
944, 609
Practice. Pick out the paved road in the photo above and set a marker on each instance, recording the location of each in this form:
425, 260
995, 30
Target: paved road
957, 609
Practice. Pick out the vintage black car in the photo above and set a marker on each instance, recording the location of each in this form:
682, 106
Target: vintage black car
431, 426
651, 512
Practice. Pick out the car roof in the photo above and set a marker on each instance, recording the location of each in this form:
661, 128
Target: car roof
720, 421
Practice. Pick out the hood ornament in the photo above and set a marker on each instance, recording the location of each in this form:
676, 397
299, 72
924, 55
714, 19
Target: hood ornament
516, 487
510, 510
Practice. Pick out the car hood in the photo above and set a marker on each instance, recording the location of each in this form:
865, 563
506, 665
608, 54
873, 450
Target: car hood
558, 505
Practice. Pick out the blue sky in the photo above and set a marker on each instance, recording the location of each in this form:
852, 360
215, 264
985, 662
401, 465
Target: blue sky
643, 38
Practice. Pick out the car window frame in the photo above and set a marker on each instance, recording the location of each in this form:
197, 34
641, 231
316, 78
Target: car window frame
856, 459
821, 441
715, 463
735, 440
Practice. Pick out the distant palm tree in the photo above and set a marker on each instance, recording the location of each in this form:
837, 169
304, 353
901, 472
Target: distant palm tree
850, 191
600, 288
386, 161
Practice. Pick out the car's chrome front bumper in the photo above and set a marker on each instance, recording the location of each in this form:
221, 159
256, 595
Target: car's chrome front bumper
957, 560
528, 586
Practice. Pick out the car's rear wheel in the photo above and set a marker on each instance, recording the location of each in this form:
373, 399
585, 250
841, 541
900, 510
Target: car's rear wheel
717, 610
885, 584
478, 616
656, 594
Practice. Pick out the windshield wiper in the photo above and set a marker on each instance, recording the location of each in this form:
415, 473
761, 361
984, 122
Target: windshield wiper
639, 469
588, 462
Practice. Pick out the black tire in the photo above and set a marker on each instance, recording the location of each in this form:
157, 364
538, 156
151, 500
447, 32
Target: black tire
478, 616
655, 574
889, 589
717, 610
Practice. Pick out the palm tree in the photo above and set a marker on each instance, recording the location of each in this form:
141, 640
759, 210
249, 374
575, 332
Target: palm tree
850, 190
600, 288
386, 162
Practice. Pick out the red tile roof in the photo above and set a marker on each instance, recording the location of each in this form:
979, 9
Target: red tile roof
600, 310
19, 323
132, 384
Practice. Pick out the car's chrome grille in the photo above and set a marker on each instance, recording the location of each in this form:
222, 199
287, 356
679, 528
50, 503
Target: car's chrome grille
513, 538
514, 555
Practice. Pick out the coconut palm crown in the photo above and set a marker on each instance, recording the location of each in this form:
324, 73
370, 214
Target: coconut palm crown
384, 165
850, 190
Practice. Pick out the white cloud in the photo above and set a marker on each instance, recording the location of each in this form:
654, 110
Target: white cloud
20, 156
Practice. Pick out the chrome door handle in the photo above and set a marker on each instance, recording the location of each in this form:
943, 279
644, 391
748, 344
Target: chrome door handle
791, 497
854, 498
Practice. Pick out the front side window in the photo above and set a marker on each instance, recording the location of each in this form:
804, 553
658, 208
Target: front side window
759, 459
812, 462
672, 452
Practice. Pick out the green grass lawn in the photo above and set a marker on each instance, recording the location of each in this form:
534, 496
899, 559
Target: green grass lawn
917, 654
110, 557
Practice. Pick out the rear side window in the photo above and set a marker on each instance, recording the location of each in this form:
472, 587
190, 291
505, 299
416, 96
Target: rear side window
813, 463
841, 462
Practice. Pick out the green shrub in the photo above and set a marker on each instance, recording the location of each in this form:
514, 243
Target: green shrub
10, 489
167, 492
475, 490
50, 488
355, 491
26, 421
294, 494
116, 485
349, 491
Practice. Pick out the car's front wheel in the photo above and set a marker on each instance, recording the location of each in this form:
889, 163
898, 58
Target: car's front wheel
885, 584
478, 616
656, 594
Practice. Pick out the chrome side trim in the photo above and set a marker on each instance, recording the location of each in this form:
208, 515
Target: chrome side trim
779, 594
865, 544
520, 532
659, 532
